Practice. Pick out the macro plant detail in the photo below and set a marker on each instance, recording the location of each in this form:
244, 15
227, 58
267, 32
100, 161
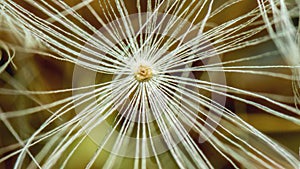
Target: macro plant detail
149, 84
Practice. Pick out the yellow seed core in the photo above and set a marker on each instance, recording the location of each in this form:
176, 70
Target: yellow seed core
144, 73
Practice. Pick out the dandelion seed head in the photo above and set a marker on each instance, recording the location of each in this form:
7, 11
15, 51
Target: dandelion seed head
144, 73
141, 68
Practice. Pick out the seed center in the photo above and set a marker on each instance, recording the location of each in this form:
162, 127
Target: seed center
144, 73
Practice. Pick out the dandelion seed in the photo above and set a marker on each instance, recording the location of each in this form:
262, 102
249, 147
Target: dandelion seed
148, 84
